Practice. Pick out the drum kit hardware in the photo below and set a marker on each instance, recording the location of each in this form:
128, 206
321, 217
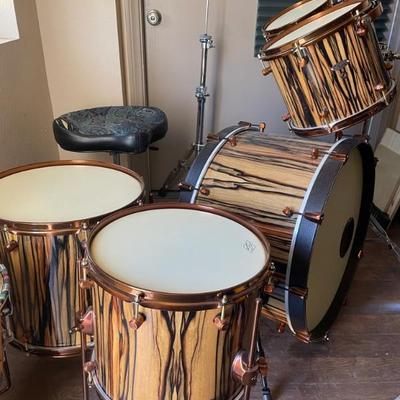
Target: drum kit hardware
201, 94
265, 227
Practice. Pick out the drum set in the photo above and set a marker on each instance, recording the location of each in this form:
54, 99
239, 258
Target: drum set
163, 301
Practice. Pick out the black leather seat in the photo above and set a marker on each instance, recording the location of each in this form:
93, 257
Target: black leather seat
119, 129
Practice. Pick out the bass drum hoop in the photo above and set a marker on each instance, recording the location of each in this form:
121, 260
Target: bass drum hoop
306, 231
302, 244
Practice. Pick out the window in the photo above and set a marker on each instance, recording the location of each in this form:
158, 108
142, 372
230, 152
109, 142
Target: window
269, 8
8, 22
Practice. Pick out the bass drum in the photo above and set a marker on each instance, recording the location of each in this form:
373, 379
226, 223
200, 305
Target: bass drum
311, 200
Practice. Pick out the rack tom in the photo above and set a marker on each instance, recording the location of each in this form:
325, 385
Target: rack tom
176, 303
43, 208
330, 69
312, 202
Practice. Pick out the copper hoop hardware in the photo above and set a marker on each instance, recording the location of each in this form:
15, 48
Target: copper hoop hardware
11, 246
266, 68
85, 324
316, 153
304, 337
213, 137
186, 187
286, 117
313, 217
89, 367
261, 126
138, 318
262, 366
220, 321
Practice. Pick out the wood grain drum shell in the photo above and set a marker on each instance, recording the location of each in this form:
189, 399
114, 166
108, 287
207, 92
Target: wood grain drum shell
333, 77
284, 185
42, 256
179, 351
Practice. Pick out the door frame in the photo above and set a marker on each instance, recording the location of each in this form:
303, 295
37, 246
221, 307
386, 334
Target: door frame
132, 44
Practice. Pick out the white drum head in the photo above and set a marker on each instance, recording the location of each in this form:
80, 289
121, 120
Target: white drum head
327, 266
178, 251
294, 15
313, 26
64, 193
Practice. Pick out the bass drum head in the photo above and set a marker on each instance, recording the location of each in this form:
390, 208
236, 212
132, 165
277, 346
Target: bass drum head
333, 246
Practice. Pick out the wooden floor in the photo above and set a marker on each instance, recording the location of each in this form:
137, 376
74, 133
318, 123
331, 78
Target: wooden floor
361, 361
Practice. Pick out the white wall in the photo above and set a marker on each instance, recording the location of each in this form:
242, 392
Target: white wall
25, 108
80, 43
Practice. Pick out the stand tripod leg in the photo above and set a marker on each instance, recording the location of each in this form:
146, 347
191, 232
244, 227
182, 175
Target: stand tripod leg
266, 392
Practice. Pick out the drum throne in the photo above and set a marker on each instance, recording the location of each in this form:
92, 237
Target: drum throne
118, 129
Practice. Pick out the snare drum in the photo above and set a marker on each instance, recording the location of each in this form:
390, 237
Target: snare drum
301, 10
311, 200
330, 69
43, 207
175, 300
5, 381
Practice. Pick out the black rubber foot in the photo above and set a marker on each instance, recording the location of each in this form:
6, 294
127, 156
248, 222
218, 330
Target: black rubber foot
267, 395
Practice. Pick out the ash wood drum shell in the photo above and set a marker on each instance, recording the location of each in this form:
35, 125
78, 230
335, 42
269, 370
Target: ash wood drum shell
330, 70
44, 208
297, 193
5, 381
191, 328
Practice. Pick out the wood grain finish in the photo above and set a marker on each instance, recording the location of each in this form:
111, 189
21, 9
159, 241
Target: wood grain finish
321, 92
44, 286
258, 178
173, 356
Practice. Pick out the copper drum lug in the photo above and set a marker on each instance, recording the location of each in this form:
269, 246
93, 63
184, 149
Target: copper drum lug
380, 87
185, 187
361, 29
288, 212
137, 322
222, 324
286, 117
303, 62
204, 191
360, 254
262, 126
233, 141
89, 367
324, 113
281, 327
388, 66
242, 372
87, 323
266, 71
86, 284
11, 246
262, 366
314, 153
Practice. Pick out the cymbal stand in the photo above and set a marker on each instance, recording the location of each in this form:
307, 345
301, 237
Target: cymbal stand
201, 95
